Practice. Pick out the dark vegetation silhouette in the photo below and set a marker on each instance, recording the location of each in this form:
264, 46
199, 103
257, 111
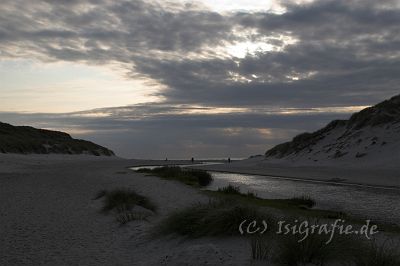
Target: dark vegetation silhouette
29, 140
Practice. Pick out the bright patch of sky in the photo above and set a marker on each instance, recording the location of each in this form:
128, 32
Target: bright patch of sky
30, 86
272, 6
242, 5
251, 48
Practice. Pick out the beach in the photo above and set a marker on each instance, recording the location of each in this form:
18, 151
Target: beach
49, 217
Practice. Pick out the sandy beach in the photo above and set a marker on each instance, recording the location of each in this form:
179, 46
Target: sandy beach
49, 217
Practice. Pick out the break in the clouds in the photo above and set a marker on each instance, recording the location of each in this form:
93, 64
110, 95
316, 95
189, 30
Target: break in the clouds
210, 73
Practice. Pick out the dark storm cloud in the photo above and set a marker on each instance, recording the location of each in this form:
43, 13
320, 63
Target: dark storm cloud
122, 28
345, 52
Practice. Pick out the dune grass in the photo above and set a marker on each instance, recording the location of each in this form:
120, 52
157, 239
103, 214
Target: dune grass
125, 199
234, 190
230, 189
299, 250
216, 218
301, 206
191, 177
373, 253
122, 202
305, 200
287, 250
313, 250
128, 216
298, 206
261, 247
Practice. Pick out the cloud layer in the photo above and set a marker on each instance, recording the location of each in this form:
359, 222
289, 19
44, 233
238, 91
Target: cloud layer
327, 53
344, 52
158, 130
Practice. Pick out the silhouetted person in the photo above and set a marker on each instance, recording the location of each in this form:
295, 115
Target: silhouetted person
229, 160
192, 160
166, 159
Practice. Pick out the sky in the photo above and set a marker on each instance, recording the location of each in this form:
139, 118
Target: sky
204, 79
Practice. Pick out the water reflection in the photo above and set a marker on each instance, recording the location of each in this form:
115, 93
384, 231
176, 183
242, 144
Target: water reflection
378, 204
366, 202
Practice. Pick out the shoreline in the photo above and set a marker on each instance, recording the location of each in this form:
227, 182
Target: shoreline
381, 178
279, 177
47, 205
308, 180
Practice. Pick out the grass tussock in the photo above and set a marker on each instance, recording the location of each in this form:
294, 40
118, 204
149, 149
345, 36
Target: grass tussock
377, 254
128, 216
313, 248
318, 249
235, 191
230, 189
121, 200
305, 200
342, 250
261, 247
216, 218
297, 206
192, 177
312, 251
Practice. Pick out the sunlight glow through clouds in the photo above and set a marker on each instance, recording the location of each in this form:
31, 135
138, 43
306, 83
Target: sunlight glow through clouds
240, 50
253, 43
240, 5
245, 48
136, 112
272, 6
66, 87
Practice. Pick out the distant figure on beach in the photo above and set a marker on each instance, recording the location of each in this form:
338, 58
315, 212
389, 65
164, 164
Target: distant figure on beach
229, 160
166, 159
192, 160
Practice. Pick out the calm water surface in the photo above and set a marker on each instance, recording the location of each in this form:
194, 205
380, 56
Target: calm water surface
379, 204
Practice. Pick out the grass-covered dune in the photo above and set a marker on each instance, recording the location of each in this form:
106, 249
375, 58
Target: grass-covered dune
346, 137
29, 140
224, 217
